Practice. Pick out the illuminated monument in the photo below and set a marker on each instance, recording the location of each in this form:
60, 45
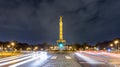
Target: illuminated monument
61, 42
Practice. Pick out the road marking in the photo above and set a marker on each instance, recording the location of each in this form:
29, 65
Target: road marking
53, 57
68, 57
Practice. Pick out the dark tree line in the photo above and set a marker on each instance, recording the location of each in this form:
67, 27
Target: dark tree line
24, 46
45, 45
106, 44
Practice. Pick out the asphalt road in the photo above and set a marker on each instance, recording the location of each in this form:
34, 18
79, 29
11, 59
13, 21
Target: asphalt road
38, 59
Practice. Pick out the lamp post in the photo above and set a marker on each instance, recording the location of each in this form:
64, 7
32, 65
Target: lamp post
36, 48
111, 45
95, 48
116, 44
13, 44
28, 49
8, 46
86, 47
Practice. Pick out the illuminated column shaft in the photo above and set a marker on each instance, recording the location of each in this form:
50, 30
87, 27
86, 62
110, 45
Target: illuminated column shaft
61, 29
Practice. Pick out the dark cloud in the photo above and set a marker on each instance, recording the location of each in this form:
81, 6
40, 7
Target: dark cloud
36, 21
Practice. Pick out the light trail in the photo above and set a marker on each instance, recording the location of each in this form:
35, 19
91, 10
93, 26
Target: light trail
13, 57
17, 60
23, 62
40, 62
88, 60
97, 57
111, 55
42, 59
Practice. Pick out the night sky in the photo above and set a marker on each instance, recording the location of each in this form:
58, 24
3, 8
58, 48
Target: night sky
36, 21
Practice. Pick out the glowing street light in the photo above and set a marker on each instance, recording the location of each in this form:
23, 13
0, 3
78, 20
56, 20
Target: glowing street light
36, 48
112, 48
8, 46
70, 48
95, 47
13, 44
28, 49
5, 48
51, 48
86, 47
116, 43
111, 45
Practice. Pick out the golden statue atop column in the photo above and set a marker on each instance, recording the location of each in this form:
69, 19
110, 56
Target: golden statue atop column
61, 42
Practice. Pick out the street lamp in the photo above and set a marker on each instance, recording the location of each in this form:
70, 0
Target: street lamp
95, 48
111, 45
86, 47
116, 43
51, 48
13, 44
8, 46
36, 48
28, 49
104, 48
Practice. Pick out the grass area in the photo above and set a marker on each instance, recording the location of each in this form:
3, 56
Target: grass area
7, 54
